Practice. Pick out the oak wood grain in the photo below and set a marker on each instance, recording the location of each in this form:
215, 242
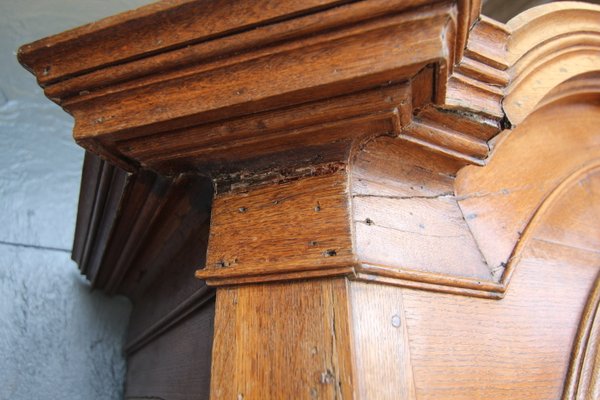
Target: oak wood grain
518, 347
283, 340
297, 226
565, 138
378, 317
414, 222
142, 31
403, 195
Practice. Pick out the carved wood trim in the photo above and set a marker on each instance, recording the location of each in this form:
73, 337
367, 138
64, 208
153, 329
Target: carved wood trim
442, 35
258, 104
548, 46
583, 378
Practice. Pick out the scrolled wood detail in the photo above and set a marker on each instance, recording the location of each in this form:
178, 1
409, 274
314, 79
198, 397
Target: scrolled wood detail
549, 45
498, 240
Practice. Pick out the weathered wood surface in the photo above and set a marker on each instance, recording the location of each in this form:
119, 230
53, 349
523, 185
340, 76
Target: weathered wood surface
403, 196
298, 227
263, 72
283, 340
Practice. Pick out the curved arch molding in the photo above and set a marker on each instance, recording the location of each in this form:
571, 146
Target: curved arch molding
566, 139
583, 378
546, 47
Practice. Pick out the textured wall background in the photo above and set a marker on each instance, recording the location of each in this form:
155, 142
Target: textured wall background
58, 340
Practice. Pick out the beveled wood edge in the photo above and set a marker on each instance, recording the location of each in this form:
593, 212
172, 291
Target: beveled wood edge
423, 280
297, 274
372, 274
169, 320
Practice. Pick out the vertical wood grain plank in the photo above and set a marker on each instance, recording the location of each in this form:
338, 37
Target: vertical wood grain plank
382, 351
283, 341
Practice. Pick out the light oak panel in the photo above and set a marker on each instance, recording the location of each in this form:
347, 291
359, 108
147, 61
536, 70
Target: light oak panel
518, 347
381, 348
283, 341
503, 196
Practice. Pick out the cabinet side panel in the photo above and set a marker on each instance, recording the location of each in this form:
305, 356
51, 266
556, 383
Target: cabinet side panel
176, 365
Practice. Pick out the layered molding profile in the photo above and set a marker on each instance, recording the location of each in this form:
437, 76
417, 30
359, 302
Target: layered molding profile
266, 69
122, 211
290, 95
358, 180
135, 231
582, 378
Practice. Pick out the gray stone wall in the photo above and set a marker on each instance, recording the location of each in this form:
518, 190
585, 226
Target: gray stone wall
58, 340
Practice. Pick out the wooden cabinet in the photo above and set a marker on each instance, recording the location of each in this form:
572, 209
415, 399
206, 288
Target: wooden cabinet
377, 199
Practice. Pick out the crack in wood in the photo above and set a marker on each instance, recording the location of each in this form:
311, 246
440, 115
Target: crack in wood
445, 195
407, 231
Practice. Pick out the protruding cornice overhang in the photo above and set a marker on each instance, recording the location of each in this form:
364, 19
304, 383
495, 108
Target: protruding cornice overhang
325, 100
161, 89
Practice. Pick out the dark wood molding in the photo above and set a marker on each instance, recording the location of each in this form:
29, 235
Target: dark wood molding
121, 212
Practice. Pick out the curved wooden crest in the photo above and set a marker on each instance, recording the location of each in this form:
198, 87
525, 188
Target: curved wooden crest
548, 46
